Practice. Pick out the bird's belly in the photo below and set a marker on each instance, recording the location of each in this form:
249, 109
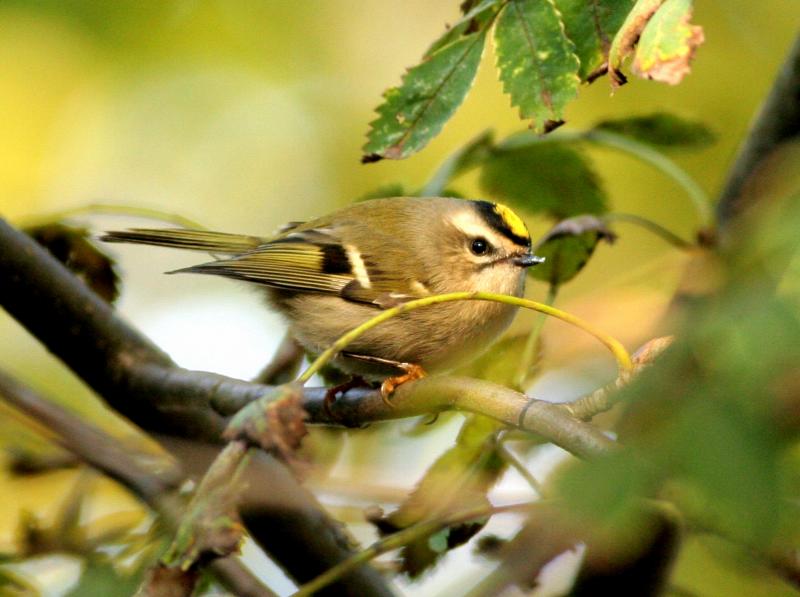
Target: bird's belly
437, 337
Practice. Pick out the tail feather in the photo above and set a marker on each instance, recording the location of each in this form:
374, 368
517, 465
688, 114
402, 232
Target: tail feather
180, 238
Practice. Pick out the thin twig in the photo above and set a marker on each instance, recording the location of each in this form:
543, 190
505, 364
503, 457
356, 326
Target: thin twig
510, 458
402, 538
650, 225
285, 363
616, 348
98, 209
529, 352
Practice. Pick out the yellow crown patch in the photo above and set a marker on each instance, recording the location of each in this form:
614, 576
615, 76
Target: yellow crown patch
512, 220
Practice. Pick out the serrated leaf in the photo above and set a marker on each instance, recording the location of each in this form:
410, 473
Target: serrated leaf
591, 26
70, 245
661, 129
457, 481
627, 36
477, 16
537, 62
567, 248
668, 43
551, 178
416, 111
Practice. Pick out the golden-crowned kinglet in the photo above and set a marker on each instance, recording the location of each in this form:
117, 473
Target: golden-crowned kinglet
331, 274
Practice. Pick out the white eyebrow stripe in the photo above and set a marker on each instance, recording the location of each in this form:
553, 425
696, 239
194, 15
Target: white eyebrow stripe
357, 263
473, 226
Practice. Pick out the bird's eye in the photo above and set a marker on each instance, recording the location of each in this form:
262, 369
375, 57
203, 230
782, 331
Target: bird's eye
479, 246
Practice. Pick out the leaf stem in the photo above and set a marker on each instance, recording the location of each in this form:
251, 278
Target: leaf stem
642, 151
650, 225
510, 458
529, 352
108, 209
616, 348
637, 149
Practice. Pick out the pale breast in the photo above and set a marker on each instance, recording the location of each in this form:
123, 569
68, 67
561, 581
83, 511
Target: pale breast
438, 337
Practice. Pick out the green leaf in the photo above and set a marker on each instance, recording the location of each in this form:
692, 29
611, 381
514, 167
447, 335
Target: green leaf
457, 481
393, 189
101, 578
627, 36
466, 158
568, 247
661, 129
416, 111
477, 16
591, 25
551, 178
500, 363
668, 43
712, 416
537, 62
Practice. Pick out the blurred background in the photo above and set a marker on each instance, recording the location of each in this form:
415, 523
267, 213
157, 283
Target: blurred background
245, 114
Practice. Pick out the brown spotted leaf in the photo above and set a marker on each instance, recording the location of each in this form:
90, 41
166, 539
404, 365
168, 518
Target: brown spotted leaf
591, 25
210, 527
537, 61
274, 422
668, 43
627, 36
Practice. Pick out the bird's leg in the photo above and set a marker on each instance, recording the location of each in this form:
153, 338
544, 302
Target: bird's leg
355, 381
389, 385
412, 371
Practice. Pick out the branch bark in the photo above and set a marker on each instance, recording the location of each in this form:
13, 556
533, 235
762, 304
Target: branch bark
102, 452
128, 371
777, 122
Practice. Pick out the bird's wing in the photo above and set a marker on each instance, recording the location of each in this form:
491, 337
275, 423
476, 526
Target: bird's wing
314, 260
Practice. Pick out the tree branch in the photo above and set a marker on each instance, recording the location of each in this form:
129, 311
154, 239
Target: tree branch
128, 371
102, 452
778, 121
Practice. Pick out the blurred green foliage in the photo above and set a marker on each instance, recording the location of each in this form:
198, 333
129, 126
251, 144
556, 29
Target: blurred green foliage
248, 113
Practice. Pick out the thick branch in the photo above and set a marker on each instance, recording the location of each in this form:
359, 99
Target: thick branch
102, 452
83, 331
435, 394
128, 371
778, 121
429, 395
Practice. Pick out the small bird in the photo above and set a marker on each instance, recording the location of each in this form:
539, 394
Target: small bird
331, 274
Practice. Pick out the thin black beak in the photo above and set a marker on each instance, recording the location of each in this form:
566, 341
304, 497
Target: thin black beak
526, 259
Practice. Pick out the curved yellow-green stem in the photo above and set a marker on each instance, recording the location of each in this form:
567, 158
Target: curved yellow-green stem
116, 210
616, 348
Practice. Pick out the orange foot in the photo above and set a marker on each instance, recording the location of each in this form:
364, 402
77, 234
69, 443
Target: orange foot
356, 381
389, 385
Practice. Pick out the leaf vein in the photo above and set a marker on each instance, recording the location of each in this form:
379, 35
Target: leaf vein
399, 143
